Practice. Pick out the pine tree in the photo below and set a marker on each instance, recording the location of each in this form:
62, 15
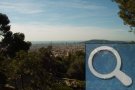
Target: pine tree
127, 12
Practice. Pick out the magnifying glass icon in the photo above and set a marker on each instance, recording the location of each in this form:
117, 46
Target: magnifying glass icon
121, 76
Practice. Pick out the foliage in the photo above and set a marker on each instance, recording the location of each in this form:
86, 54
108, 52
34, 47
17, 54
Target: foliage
127, 11
11, 43
28, 68
40, 70
77, 68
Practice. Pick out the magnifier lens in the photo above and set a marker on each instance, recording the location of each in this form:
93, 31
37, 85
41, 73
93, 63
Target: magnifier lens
104, 62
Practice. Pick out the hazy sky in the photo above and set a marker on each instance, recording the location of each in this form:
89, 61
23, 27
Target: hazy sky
51, 20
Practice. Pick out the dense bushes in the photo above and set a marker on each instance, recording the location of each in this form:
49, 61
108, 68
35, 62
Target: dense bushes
40, 70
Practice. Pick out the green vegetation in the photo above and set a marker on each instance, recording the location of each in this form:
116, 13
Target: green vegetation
36, 70
11, 42
127, 12
40, 70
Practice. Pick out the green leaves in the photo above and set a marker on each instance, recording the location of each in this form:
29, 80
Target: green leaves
127, 11
4, 19
11, 42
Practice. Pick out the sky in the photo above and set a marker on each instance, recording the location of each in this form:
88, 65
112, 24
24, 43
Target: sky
66, 20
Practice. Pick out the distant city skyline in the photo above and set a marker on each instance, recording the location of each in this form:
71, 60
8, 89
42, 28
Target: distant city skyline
66, 20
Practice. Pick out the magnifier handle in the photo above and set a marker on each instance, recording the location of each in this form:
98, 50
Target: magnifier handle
125, 79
